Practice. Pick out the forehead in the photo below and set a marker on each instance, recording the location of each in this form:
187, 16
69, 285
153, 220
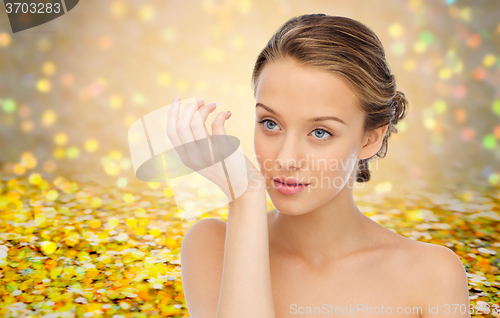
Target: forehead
286, 85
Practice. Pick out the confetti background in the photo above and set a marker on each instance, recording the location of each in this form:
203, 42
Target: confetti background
81, 236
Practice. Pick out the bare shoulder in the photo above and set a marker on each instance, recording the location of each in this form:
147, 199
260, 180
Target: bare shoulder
202, 259
425, 258
419, 255
439, 277
434, 273
205, 239
210, 229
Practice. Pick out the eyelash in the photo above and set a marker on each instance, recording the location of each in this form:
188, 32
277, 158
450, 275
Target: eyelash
263, 120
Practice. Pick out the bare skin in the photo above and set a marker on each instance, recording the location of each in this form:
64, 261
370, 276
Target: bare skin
316, 249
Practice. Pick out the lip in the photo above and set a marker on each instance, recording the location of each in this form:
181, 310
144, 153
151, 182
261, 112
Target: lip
289, 181
284, 186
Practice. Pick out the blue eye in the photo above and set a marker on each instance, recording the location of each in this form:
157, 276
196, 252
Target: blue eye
268, 124
321, 133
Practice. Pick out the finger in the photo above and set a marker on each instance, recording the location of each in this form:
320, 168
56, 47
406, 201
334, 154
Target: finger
173, 116
218, 123
184, 123
205, 110
198, 127
220, 143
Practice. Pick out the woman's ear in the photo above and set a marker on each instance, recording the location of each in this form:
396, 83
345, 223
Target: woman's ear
372, 142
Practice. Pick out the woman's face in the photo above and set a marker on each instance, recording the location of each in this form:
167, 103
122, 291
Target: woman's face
295, 139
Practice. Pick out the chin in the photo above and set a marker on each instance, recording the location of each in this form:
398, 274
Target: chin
290, 205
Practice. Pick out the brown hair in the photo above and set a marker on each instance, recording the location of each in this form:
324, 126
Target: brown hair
349, 48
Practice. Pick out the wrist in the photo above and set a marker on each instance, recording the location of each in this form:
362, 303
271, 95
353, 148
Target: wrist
251, 197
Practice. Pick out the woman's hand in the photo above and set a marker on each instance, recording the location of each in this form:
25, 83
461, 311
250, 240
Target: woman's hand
200, 152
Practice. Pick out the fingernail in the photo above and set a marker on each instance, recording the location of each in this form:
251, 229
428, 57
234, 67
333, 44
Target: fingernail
176, 99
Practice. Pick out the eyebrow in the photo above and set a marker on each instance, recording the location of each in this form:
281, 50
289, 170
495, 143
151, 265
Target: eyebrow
311, 119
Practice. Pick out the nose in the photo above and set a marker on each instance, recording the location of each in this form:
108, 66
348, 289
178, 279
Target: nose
289, 155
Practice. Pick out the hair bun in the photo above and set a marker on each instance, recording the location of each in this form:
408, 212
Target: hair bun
400, 106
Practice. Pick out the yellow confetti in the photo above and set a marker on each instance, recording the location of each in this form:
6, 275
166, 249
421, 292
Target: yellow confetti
168, 192
128, 197
155, 232
96, 202
51, 195
48, 247
113, 222
132, 223
35, 178
140, 212
153, 185
95, 224
73, 239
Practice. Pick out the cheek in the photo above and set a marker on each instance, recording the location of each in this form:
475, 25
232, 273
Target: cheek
263, 151
334, 163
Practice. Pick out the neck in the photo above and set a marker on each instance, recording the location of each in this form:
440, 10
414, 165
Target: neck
330, 232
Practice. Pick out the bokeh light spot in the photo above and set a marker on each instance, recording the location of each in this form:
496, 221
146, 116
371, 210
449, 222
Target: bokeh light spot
115, 101
91, 145
489, 141
489, 60
72, 152
440, 107
396, 30
43, 85
9, 105
61, 138
4, 39
48, 118
496, 107
28, 160
48, 68
122, 182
